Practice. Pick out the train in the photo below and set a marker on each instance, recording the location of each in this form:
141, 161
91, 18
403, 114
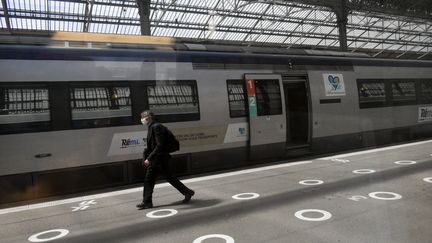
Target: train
70, 111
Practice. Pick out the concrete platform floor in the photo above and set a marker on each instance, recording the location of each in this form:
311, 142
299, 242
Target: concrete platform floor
379, 195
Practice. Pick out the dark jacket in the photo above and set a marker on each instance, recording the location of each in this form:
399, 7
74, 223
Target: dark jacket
156, 140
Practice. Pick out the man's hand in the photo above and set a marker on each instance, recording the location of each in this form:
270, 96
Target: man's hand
146, 162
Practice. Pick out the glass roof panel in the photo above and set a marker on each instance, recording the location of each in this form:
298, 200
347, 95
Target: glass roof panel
257, 8
227, 5
216, 35
278, 11
311, 41
33, 5
293, 40
246, 23
322, 15
233, 20
131, 13
300, 13
235, 36
228, 21
262, 38
276, 38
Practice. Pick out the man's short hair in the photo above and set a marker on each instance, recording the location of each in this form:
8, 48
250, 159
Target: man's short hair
147, 113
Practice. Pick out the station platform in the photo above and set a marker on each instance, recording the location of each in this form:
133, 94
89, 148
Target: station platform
377, 195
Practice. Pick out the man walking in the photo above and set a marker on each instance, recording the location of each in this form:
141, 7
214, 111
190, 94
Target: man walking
156, 161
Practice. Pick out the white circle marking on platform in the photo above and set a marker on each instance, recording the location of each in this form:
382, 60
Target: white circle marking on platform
36, 237
395, 196
364, 171
153, 215
311, 182
405, 162
246, 196
227, 238
428, 179
326, 215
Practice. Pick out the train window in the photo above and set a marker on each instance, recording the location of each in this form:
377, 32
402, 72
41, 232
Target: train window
372, 93
236, 98
404, 93
100, 105
268, 97
426, 92
24, 109
174, 100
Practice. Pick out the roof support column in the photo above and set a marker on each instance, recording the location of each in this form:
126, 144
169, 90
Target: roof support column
144, 12
88, 15
6, 15
341, 11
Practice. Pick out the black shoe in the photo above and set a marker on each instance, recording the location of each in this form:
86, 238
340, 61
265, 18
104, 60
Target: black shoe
188, 197
144, 205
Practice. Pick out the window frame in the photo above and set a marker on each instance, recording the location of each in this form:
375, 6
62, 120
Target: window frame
237, 113
95, 122
390, 101
424, 99
37, 125
175, 117
373, 103
260, 100
403, 102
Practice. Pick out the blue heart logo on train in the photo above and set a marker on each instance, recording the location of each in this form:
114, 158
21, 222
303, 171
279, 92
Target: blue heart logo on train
334, 81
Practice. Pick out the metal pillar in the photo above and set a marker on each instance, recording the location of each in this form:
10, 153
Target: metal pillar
342, 12
144, 12
6, 15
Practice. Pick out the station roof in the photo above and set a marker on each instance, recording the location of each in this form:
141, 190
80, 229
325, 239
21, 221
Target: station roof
381, 28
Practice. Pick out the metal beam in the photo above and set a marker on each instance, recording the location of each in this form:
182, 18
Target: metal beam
88, 14
341, 12
6, 15
144, 13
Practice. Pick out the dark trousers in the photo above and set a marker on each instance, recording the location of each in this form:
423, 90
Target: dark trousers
152, 171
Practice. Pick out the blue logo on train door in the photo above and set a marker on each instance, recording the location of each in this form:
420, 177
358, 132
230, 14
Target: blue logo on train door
242, 131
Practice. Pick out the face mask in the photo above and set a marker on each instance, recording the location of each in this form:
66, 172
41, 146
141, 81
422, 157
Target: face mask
144, 121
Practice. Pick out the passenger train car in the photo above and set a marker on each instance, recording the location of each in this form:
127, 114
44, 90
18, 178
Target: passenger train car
69, 115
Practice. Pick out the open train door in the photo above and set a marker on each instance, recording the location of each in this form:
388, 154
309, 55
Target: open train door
267, 119
297, 111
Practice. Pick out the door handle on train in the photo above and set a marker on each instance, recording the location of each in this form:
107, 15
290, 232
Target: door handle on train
44, 155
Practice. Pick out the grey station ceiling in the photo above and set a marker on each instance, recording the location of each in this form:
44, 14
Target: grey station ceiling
382, 28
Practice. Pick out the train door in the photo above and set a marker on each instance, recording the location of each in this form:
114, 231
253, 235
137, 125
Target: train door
297, 111
267, 130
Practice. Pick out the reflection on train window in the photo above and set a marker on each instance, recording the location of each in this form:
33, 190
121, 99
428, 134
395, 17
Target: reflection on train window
20, 105
100, 106
24, 108
173, 98
371, 93
404, 92
236, 98
268, 97
426, 92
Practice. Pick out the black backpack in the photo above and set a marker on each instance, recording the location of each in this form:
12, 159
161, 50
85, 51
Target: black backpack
172, 144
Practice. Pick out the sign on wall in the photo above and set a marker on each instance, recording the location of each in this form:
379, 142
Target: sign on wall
334, 84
